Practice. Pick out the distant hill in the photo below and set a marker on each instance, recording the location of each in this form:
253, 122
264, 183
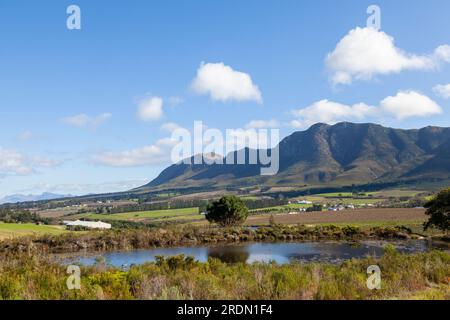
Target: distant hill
341, 154
16, 198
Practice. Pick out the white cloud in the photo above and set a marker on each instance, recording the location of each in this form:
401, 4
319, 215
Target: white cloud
86, 188
170, 127
443, 90
410, 104
155, 154
150, 109
222, 83
443, 53
248, 138
167, 142
175, 101
262, 124
25, 136
330, 112
147, 155
404, 104
13, 162
366, 52
84, 121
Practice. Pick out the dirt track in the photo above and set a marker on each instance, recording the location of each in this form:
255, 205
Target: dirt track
347, 216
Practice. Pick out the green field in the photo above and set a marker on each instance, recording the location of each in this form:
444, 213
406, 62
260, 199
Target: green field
335, 194
396, 193
292, 206
140, 215
11, 230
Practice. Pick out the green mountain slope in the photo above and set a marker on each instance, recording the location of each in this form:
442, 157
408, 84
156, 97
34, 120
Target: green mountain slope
338, 154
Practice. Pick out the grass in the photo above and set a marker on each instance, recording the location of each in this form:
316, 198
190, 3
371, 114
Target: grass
292, 206
335, 194
12, 230
353, 201
416, 227
383, 194
140, 215
439, 292
357, 216
417, 276
397, 193
181, 235
182, 218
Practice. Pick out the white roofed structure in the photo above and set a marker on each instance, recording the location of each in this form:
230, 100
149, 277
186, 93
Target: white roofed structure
88, 224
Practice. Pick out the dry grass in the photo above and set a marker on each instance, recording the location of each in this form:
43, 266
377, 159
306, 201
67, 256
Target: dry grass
347, 216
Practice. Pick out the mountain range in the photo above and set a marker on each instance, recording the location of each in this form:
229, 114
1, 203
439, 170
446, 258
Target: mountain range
341, 154
16, 198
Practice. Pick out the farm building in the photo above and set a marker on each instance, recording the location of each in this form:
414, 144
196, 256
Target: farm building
88, 224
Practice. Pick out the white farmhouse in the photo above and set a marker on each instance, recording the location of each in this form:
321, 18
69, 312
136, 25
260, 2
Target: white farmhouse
88, 224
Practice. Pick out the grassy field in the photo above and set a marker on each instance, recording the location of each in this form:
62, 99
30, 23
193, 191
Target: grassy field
363, 218
141, 215
417, 276
397, 193
292, 206
11, 230
394, 216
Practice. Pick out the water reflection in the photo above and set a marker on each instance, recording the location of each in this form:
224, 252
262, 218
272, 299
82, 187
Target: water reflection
281, 253
233, 254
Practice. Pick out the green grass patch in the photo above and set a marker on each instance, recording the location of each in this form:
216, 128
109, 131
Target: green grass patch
11, 230
292, 206
140, 215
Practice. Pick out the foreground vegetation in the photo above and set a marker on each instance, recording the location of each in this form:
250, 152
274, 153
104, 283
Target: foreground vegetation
129, 239
424, 275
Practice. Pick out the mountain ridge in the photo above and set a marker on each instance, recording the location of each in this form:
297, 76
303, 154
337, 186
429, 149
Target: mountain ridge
17, 198
343, 153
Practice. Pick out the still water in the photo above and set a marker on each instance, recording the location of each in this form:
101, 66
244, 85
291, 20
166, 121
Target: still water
281, 253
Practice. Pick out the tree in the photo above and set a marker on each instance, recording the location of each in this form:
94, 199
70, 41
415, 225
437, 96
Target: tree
439, 211
227, 211
315, 207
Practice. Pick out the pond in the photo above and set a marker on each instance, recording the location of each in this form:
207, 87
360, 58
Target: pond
281, 253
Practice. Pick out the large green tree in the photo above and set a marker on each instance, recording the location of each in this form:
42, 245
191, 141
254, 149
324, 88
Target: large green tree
439, 211
227, 211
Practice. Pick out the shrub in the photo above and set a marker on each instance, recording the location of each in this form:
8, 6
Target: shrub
227, 211
439, 211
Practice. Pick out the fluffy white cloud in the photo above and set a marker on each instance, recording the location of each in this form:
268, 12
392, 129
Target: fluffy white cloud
366, 52
175, 101
404, 104
170, 127
410, 104
262, 124
84, 121
330, 112
443, 53
13, 162
150, 109
443, 90
83, 189
222, 83
238, 139
167, 142
146, 155
155, 154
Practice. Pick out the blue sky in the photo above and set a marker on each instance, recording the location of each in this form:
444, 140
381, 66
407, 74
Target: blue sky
70, 98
